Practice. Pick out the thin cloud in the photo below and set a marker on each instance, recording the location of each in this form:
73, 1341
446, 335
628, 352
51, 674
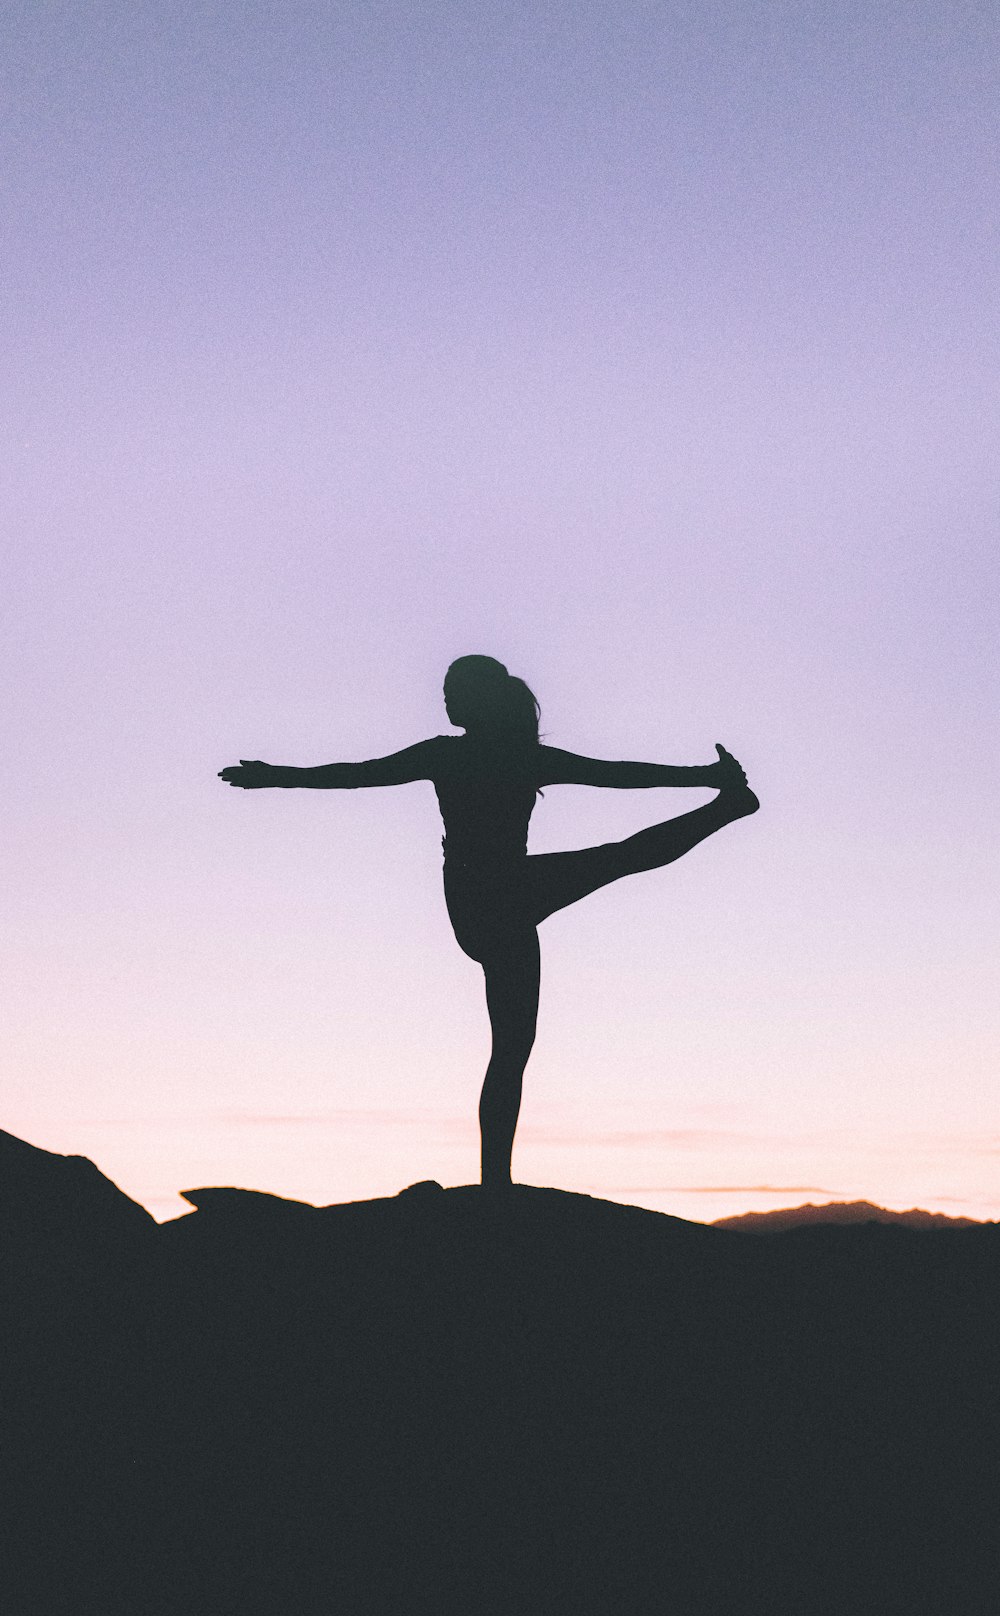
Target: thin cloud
683, 1137
717, 1189
340, 1116
345, 1118
883, 1142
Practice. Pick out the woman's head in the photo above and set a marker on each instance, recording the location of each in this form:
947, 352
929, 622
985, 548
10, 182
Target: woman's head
480, 696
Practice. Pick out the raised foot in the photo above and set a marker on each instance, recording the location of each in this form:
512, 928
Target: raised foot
742, 801
733, 788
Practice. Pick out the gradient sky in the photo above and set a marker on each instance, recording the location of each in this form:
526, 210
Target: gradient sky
651, 348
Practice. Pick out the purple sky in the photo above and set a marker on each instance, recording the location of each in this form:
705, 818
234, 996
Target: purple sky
651, 348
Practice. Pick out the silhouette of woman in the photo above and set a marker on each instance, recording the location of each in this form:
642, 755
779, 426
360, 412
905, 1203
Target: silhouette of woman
496, 892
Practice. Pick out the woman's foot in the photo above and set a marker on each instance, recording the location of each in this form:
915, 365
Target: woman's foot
738, 797
496, 1184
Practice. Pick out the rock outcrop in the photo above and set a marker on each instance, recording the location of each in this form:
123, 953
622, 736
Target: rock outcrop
438, 1402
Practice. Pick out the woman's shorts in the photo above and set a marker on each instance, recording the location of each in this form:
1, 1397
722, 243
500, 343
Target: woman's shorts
488, 907
491, 906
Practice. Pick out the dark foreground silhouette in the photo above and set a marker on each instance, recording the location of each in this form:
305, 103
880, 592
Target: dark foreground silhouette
443, 1403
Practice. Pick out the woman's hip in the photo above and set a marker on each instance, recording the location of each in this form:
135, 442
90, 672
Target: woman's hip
489, 907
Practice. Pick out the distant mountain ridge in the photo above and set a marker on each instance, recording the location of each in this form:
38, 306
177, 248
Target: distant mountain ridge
52, 1190
794, 1217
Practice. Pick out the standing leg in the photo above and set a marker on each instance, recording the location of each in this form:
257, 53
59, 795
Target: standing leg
512, 978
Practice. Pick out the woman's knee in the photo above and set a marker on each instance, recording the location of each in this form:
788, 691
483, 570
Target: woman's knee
513, 1025
513, 1043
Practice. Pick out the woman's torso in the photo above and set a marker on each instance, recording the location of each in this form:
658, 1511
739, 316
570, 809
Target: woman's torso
486, 794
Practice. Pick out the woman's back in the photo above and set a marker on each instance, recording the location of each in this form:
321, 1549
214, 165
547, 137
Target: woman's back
486, 791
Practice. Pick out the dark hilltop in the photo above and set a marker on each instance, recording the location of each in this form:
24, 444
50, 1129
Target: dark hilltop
437, 1403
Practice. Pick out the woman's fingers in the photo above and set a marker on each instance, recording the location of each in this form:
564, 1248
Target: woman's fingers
246, 774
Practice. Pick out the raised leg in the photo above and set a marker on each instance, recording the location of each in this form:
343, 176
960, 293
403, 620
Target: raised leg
661, 844
512, 979
558, 879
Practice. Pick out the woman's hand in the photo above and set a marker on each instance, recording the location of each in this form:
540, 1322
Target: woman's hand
250, 774
727, 773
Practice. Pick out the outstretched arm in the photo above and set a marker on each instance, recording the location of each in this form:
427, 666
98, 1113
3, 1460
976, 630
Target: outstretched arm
566, 768
412, 763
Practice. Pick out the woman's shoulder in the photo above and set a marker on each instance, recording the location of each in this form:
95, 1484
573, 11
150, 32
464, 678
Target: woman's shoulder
437, 745
443, 753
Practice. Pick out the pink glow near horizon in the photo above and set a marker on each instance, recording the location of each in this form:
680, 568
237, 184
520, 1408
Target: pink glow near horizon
648, 350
